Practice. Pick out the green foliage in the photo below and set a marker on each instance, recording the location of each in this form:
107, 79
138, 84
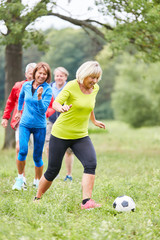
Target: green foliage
133, 107
135, 99
137, 22
14, 8
69, 48
128, 163
28, 55
17, 17
104, 111
37, 38
103, 108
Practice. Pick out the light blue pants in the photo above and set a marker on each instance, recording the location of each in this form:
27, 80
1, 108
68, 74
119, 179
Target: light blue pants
39, 139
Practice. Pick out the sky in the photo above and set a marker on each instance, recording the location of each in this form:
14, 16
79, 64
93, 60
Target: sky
78, 8
75, 8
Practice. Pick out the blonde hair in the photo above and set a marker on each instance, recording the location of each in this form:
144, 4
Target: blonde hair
89, 68
61, 69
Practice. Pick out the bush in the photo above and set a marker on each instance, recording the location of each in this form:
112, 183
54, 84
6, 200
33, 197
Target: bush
133, 107
136, 99
104, 111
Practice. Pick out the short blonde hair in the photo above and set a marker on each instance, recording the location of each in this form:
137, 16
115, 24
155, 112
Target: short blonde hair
89, 68
61, 69
47, 69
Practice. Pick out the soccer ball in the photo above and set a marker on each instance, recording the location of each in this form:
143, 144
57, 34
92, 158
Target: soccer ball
124, 204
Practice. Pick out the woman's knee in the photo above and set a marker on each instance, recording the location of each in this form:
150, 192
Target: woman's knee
51, 174
90, 169
23, 151
22, 154
37, 157
38, 163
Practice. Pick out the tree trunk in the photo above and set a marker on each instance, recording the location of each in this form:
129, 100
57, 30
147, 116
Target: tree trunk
13, 73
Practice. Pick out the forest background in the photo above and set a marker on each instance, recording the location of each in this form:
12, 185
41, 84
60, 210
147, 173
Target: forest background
128, 53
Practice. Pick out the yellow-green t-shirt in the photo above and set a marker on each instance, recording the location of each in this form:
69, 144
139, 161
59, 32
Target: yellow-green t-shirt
74, 123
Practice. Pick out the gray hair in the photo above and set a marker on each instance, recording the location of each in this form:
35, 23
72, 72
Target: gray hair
30, 66
61, 69
89, 68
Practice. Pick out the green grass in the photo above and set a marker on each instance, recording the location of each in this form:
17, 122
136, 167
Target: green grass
128, 163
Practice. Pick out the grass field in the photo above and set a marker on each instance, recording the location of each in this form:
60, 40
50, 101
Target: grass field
128, 163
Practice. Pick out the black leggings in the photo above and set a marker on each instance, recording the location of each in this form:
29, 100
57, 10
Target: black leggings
82, 148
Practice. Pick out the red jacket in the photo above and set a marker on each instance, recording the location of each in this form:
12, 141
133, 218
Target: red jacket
12, 103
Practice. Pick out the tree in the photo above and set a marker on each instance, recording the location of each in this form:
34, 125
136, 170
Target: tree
15, 37
136, 22
16, 17
71, 53
103, 108
1, 76
136, 99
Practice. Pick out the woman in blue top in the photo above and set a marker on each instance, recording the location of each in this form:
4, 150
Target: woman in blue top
35, 96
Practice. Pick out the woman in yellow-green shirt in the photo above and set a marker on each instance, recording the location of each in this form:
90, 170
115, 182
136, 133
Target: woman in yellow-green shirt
76, 103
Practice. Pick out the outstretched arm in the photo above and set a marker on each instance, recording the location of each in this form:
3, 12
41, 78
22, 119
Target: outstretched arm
95, 122
61, 108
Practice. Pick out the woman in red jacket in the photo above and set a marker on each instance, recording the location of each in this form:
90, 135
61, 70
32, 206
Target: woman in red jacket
12, 105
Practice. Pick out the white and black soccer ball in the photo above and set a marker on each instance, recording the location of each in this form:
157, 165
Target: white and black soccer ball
124, 204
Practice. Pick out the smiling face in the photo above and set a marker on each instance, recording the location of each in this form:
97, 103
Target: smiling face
40, 76
90, 81
60, 78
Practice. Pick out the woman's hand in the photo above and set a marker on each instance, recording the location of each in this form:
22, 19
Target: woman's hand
65, 108
4, 123
39, 93
61, 108
99, 124
95, 122
18, 115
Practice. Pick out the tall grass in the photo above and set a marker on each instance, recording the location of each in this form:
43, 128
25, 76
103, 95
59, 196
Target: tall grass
128, 163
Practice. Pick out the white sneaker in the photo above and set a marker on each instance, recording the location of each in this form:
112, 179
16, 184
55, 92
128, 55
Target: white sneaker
36, 183
19, 185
